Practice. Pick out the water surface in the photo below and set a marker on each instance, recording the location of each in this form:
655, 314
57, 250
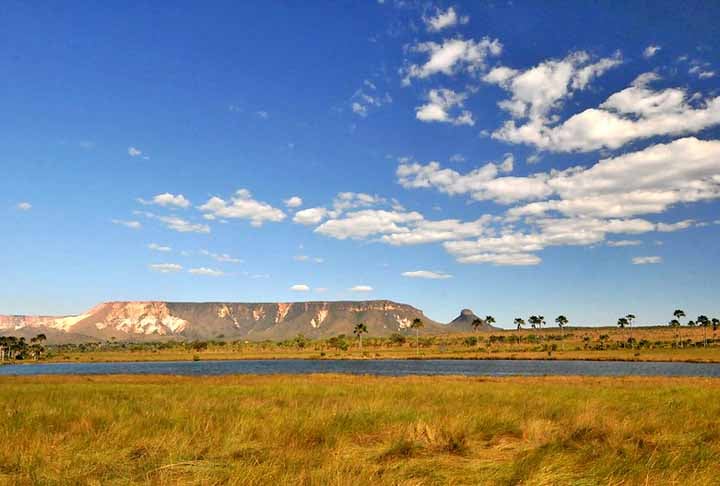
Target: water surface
373, 367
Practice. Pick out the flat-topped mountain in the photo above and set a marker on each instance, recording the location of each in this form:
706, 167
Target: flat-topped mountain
212, 320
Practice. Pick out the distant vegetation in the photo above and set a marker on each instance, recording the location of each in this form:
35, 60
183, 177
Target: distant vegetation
329, 429
695, 340
17, 348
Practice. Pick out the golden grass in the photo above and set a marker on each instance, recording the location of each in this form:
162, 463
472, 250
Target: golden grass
338, 429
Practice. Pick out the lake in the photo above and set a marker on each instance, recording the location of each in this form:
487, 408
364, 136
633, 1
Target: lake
372, 367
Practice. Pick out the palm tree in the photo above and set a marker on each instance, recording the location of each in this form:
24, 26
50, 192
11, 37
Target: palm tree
534, 321
489, 320
679, 314
417, 324
476, 324
630, 318
704, 322
562, 321
359, 330
519, 322
622, 322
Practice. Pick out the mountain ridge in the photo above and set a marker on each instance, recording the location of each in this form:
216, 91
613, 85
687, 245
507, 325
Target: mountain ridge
155, 319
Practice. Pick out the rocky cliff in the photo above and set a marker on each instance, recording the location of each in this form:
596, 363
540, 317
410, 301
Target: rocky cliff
212, 320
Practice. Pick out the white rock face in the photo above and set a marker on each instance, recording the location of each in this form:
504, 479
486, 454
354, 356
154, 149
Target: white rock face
282, 312
319, 318
403, 322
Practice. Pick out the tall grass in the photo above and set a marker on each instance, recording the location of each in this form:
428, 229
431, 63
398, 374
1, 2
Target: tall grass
329, 429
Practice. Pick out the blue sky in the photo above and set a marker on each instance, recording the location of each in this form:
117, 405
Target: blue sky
507, 157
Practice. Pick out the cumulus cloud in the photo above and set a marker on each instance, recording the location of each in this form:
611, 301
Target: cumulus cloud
293, 202
451, 56
128, 224
134, 152
361, 288
427, 274
310, 216
482, 183
167, 199
24, 206
635, 113
444, 19
343, 201
363, 223
646, 260
300, 288
439, 104
156, 247
242, 206
183, 226
648, 181
165, 267
538, 90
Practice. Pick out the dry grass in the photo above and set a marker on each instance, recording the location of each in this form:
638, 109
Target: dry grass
330, 429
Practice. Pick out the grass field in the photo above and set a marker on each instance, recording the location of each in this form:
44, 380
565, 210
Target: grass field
329, 429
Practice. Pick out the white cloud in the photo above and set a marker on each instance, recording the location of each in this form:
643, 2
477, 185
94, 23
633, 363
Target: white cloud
128, 224
444, 19
502, 259
293, 202
650, 51
427, 274
165, 267
167, 199
310, 216
263, 114
647, 260
367, 222
438, 106
482, 183
622, 243
156, 247
242, 206
300, 288
221, 257
24, 206
361, 288
635, 113
644, 182
183, 226
208, 272
538, 90
457, 158
671, 227
343, 201
134, 152
452, 56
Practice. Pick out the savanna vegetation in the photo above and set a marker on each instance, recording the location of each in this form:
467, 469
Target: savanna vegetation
329, 429
696, 340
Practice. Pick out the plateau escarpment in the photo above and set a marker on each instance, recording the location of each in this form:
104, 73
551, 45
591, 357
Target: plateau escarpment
213, 320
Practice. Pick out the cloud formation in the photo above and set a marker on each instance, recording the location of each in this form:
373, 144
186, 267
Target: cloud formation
242, 206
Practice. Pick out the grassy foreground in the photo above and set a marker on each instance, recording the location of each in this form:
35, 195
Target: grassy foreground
330, 429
